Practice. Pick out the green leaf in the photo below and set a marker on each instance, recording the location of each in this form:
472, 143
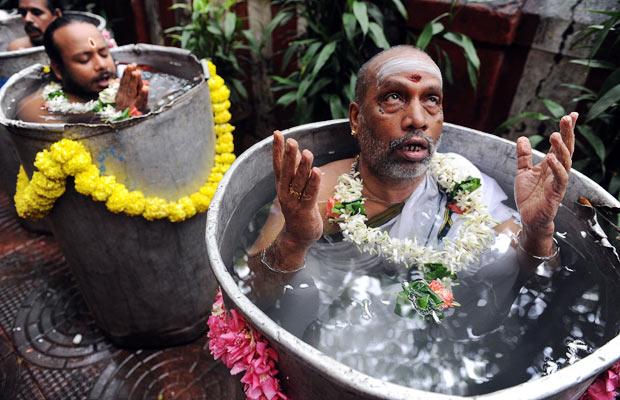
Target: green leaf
510, 122
348, 22
472, 72
580, 165
214, 30
335, 107
470, 52
591, 63
423, 302
608, 100
602, 35
554, 108
361, 14
596, 143
284, 81
375, 14
535, 140
611, 81
230, 22
578, 87
377, 36
613, 14
318, 86
401, 8
303, 87
309, 55
324, 55
281, 18
440, 16
238, 85
437, 271
425, 37
286, 99
614, 185
349, 90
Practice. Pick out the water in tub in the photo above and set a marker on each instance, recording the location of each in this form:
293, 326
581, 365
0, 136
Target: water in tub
505, 332
163, 88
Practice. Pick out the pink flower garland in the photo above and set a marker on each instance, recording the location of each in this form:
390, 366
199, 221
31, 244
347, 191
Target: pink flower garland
605, 386
241, 348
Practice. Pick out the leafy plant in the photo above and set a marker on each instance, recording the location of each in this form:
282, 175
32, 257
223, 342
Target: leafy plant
339, 38
215, 32
598, 127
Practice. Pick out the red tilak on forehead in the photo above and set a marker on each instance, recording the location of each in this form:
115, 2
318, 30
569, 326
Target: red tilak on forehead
415, 78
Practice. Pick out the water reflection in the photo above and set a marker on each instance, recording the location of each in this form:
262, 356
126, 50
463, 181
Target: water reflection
506, 332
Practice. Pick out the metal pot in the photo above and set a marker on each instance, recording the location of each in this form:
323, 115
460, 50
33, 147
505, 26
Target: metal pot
146, 283
10, 63
307, 373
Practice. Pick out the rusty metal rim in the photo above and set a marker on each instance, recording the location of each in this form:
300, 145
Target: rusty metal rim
42, 130
541, 388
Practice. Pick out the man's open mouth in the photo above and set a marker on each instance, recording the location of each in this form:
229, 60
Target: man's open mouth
415, 149
103, 81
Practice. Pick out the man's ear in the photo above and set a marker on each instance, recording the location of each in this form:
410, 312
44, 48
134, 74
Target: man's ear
57, 13
354, 112
57, 70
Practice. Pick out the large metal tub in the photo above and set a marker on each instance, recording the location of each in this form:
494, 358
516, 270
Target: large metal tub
12, 62
147, 283
306, 372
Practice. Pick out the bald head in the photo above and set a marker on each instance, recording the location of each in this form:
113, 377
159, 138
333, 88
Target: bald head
392, 61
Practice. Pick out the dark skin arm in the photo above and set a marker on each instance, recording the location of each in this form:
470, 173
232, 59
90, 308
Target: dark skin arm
303, 223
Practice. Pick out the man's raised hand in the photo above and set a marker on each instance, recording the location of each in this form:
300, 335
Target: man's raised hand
132, 92
540, 188
297, 186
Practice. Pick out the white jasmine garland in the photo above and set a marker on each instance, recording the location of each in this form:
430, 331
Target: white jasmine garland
474, 236
56, 101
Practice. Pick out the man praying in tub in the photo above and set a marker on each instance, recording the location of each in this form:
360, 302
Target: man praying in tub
81, 61
37, 15
436, 213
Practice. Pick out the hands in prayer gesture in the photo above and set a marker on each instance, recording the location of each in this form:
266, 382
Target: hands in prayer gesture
297, 186
540, 188
132, 91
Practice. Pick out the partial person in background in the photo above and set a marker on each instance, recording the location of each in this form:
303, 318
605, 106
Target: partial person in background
37, 15
84, 74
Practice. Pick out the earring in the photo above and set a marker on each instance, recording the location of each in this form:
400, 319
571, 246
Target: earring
352, 132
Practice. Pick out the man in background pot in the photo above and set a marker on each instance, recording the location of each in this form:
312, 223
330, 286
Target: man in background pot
37, 15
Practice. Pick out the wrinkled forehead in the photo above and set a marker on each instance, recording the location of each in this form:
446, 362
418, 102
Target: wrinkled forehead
407, 63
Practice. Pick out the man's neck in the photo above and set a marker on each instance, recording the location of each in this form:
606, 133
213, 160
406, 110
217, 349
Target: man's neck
388, 189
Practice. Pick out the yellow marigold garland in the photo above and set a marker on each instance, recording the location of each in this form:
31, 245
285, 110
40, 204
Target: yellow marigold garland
35, 198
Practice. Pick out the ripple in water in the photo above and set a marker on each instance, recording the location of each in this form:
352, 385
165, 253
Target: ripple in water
506, 332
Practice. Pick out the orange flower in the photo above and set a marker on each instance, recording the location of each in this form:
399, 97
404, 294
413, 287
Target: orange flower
443, 292
456, 209
329, 208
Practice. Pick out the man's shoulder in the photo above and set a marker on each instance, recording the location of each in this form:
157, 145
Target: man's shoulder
31, 108
330, 173
19, 43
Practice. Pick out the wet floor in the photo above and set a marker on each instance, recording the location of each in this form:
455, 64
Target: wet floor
50, 347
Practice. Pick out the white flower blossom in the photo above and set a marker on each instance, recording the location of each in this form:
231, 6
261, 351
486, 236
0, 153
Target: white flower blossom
104, 106
108, 95
474, 236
